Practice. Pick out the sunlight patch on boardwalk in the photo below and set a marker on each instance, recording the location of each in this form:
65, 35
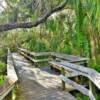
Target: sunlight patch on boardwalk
37, 84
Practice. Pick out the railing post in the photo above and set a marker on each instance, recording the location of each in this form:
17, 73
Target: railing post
90, 83
36, 64
52, 58
85, 63
63, 83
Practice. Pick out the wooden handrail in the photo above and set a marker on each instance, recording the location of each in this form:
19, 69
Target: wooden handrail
35, 54
69, 73
69, 58
34, 60
11, 73
11, 77
78, 87
93, 75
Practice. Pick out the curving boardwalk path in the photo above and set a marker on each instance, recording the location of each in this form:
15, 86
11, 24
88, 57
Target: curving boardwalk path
38, 84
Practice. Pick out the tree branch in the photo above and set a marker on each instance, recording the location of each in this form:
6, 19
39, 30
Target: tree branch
11, 26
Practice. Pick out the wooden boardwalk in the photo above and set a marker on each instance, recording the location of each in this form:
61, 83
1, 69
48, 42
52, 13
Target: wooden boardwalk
38, 84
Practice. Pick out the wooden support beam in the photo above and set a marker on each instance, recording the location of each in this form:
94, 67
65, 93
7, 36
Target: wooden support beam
78, 87
63, 82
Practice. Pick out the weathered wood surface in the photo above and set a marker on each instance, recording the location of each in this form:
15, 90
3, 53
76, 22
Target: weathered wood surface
78, 87
11, 73
11, 77
38, 84
6, 91
40, 53
36, 54
32, 59
93, 75
67, 57
69, 72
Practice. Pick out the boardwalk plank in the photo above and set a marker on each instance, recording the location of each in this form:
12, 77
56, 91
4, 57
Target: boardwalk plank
37, 84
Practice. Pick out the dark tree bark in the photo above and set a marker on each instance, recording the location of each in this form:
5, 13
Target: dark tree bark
11, 26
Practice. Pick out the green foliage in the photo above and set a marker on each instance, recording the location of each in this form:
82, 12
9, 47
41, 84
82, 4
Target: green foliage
2, 66
69, 31
2, 79
95, 65
98, 97
82, 98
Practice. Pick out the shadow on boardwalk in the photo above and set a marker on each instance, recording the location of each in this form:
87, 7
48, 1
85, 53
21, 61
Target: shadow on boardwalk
38, 84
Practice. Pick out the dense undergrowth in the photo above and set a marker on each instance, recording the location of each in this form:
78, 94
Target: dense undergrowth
2, 72
75, 31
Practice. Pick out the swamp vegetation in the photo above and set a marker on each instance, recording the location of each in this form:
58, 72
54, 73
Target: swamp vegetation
74, 29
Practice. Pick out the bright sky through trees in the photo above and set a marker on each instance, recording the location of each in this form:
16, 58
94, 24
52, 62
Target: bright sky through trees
2, 5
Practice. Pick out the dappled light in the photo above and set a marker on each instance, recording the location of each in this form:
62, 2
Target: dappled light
49, 49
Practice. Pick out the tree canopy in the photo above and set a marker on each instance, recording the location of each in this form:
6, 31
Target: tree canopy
32, 7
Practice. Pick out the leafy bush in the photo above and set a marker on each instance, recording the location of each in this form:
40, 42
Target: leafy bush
2, 79
2, 66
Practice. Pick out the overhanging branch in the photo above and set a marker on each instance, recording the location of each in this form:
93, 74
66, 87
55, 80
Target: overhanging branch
11, 26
